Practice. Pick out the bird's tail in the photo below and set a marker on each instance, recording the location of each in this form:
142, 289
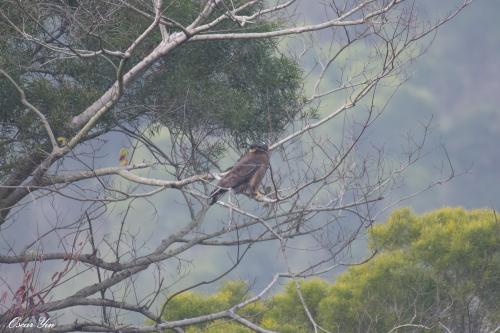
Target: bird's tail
216, 194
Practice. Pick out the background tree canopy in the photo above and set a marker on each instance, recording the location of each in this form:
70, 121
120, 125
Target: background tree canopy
434, 270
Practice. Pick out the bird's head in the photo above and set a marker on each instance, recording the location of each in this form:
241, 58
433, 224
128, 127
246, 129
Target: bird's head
258, 147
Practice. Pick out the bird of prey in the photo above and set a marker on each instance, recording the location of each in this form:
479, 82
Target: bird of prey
246, 174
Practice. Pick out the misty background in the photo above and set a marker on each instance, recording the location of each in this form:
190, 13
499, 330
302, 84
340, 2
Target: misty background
455, 86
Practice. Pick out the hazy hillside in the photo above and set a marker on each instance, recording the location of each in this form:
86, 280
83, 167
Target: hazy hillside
457, 82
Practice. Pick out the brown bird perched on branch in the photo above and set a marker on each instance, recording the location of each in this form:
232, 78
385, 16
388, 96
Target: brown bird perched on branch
246, 174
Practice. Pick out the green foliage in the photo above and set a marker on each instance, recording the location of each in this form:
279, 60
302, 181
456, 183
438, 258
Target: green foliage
377, 296
432, 269
237, 90
246, 91
286, 312
437, 267
190, 304
283, 312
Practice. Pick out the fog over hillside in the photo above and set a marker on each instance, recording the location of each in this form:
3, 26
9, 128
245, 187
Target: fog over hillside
460, 74
454, 87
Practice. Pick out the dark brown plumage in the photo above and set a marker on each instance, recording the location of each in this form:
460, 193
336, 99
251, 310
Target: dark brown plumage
246, 174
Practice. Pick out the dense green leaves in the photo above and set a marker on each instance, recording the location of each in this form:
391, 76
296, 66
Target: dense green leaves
435, 269
246, 89
190, 304
286, 313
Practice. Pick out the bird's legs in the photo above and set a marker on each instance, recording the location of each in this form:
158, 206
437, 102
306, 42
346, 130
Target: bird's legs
258, 195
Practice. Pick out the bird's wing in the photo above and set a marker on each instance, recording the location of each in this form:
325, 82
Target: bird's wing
263, 165
241, 172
